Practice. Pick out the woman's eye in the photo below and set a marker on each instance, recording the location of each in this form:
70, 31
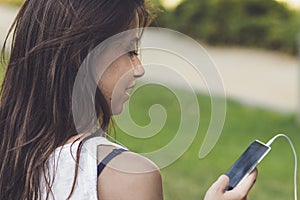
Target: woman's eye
133, 53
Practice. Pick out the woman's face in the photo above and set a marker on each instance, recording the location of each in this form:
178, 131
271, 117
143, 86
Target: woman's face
119, 78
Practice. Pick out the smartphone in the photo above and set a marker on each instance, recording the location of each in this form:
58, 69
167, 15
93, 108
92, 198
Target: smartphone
246, 163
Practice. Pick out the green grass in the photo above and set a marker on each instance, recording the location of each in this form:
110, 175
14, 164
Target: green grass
189, 177
12, 2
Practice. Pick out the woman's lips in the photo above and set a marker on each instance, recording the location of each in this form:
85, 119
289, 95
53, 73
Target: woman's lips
131, 86
129, 89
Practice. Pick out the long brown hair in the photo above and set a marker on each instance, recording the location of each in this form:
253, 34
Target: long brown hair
51, 38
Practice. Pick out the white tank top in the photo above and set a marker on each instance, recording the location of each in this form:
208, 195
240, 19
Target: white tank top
64, 163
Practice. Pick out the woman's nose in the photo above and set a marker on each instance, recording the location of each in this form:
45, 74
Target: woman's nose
139, 70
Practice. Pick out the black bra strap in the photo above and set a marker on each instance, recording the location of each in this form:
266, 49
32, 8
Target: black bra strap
108, 158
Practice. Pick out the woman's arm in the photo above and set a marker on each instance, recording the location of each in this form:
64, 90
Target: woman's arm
129, 176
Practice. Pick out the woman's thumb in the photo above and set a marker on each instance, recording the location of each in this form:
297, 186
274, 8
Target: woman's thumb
221, 183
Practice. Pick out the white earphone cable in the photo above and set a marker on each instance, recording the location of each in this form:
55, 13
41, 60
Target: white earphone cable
295, 158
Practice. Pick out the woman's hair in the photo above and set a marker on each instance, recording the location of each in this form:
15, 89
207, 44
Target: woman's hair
51, 38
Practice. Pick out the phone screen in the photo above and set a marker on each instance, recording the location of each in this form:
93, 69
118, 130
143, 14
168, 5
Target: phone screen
246, 163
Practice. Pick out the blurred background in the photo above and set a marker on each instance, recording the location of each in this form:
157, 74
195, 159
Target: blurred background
267, 24
255, 44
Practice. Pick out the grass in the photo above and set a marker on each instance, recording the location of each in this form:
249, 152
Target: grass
12, 2
189, 177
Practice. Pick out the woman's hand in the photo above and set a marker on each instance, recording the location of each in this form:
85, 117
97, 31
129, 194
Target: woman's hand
240, 192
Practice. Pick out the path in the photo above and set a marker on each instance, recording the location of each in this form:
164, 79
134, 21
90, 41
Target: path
258, 77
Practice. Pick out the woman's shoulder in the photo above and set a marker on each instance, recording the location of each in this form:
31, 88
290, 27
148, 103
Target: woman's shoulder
128, 176
126, 161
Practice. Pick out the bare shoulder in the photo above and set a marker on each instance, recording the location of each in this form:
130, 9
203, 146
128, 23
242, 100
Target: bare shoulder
128, 176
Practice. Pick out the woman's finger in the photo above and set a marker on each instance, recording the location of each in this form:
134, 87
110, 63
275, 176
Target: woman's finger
245, 186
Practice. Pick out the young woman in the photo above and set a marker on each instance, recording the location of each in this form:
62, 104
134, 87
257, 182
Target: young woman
43, 153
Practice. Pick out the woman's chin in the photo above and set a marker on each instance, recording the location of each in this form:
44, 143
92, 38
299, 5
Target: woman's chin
118, 107
117, 111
